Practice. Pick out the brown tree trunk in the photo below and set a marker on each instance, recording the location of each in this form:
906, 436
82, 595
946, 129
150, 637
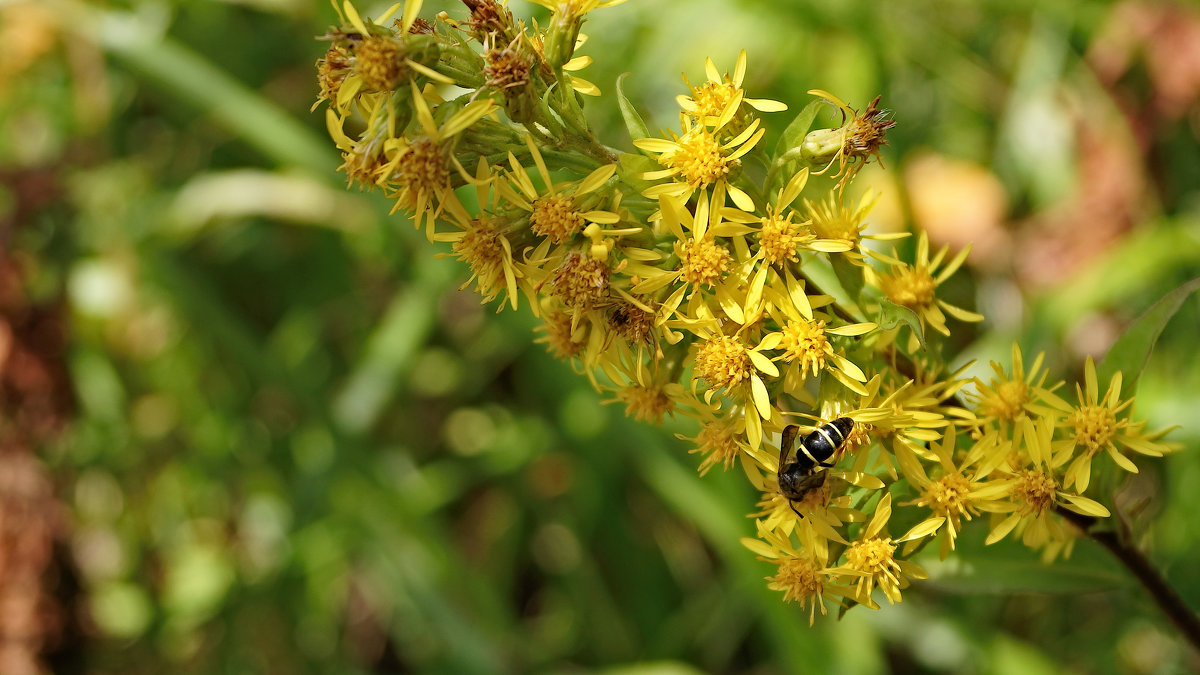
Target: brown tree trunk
37, 594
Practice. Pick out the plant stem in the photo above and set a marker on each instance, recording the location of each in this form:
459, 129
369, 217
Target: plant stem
1136, 562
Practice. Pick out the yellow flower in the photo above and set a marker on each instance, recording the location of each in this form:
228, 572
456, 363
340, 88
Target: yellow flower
649, 402
560, 210
730, 367
803, 338
802, 576
1032, 491
698, 158
951, 496
840, 227
719, 441
711, 99
704, 260
1009, 396
1099, 424
725, 362
418, 169
384, 58
915, 286
483, 243
779, 238
564, 339
871, 558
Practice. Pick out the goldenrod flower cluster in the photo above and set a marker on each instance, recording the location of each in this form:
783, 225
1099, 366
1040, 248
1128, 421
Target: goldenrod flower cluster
706, 277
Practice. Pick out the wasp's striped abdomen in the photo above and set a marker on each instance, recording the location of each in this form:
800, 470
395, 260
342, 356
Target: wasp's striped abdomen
826, 439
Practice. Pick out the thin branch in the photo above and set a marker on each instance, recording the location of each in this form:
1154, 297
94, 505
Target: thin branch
1136, 562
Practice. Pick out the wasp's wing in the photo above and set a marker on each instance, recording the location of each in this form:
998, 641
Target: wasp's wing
813, 482
785, 444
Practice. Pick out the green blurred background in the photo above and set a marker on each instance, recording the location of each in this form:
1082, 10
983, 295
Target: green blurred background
251, 425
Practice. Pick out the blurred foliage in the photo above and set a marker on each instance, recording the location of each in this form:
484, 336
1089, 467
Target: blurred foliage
297, 447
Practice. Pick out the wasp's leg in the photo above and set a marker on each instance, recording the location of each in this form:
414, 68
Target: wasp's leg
793, 505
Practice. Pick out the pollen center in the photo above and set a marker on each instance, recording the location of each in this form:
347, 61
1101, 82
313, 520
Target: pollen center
1008, 401
1095, 426
554, 217
380, 61
711, 98
421, 172
704, 261
779, 238
805, 342
911, 287
480, 247
699, 159
723, 362
504, 68
799, 579
719, 445
646, 404
873, 556
948, 496
580, 283
1036, 489
562, 339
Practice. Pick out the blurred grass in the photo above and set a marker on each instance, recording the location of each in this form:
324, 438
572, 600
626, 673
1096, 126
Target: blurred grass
299, 448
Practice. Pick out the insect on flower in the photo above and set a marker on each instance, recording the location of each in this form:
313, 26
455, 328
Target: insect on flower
799, 477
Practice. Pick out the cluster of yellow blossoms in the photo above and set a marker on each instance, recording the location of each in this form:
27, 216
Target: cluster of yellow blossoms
708, 278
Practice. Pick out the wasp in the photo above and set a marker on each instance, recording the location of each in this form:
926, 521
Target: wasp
800, 476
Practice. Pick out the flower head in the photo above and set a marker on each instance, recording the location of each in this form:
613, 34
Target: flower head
915, 286
1008, 396
710, 100
1031, 491
700, 158
854, 143
1102, 423
801, 575
952, 496
559, 211
871, 560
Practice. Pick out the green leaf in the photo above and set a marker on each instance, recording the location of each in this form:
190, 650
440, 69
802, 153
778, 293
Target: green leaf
892, 315
193, 78
781, 168
820, 272
1132, 350
633, 121
849, 274
630, 165
795, 132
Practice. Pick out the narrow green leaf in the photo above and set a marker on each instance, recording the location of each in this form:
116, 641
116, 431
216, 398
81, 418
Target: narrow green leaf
791, 139
818, 270
849, 274
795, 132
194, 79
1132, 350
633, 121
